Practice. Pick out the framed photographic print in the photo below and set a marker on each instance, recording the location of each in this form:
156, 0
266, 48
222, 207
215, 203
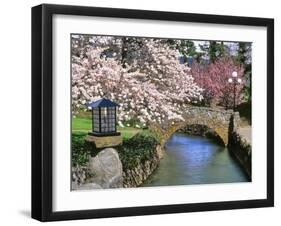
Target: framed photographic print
146, 112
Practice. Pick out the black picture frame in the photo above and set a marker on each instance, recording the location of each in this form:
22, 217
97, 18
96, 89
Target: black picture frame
42, 103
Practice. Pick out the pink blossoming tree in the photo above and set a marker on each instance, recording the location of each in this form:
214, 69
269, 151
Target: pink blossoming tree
213, 78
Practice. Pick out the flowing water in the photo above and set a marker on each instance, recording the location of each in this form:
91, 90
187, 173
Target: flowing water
195, 160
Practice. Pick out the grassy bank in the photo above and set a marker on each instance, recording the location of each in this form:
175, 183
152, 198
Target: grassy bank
84, 125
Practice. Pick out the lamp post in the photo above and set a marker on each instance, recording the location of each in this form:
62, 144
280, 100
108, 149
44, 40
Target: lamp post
235, 81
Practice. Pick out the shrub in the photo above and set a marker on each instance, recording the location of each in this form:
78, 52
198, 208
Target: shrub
245, 111
80, 150
137, 149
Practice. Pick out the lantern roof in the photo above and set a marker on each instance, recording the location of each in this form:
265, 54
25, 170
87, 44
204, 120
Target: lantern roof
103, 102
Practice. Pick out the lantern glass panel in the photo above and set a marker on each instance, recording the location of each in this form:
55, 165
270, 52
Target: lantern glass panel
111, 115
96, 122
104, 120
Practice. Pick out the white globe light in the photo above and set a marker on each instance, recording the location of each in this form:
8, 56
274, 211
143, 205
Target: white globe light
230, 80
234, 74
239, 80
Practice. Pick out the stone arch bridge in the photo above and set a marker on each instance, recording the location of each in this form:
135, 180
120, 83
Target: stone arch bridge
223, 122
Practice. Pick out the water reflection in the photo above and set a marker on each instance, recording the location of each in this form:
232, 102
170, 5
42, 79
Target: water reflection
195, 160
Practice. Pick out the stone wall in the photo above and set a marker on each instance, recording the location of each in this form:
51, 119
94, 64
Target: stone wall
135, 177
242, 151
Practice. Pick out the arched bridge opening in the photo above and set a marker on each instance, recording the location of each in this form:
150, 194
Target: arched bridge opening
203, 131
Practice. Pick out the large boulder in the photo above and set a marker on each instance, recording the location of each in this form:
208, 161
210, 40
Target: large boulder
106, 169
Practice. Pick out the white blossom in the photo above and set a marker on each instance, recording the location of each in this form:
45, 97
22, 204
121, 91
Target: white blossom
152, 86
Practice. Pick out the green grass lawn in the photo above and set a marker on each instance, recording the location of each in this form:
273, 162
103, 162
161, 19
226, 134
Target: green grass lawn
81, 124
84, 125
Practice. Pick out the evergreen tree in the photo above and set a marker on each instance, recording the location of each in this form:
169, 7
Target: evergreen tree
244, 58
186, 48
214, 50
